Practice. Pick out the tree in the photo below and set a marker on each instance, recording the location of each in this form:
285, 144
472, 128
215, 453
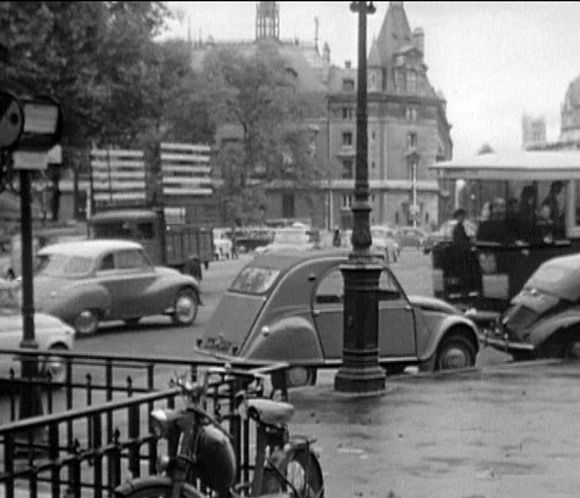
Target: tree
257, 92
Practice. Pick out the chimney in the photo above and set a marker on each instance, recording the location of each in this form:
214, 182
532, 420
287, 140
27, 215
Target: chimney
347, 64
326, 52
419, 37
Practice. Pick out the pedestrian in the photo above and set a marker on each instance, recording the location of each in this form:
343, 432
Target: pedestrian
459, 235
552, 201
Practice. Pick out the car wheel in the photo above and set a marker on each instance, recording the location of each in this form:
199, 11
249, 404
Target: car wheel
455, 351
186, 307
132, 322
300, 376
55, 365
86, 322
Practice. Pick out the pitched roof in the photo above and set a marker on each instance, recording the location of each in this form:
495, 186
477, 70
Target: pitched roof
374, 59
395, 32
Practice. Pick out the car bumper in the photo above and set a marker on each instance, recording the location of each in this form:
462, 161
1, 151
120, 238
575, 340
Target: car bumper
498, 341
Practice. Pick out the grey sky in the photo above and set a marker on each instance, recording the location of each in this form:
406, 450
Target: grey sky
492, 60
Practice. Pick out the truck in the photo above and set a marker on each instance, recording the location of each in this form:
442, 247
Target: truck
182, 246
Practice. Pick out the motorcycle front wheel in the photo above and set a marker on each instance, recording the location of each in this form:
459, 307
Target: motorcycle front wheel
305, 475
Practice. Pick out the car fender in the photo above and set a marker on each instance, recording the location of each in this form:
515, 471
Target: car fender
448, 325
291, 338
547, 327
70, 301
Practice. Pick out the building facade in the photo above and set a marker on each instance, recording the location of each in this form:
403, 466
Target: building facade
407, 125
533, 131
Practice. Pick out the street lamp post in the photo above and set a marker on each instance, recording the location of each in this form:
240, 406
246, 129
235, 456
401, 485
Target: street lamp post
360, 372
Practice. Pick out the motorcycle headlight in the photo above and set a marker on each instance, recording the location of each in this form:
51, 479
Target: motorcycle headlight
159, 423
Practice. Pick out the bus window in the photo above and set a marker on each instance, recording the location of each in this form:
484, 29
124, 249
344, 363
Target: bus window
115, 230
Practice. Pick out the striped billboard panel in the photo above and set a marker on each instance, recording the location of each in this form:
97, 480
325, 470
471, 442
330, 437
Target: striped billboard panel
118, 176
186, 169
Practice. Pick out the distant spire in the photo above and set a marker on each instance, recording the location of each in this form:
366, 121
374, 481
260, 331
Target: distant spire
267, 21
316, 24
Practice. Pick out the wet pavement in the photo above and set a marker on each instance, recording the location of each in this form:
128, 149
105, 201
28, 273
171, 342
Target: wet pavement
508, 430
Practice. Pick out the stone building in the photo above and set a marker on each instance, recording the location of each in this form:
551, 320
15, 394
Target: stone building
570, 114
407, 126
533, 131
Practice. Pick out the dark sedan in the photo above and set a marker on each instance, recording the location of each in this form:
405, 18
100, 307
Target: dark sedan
543, 320
289, 307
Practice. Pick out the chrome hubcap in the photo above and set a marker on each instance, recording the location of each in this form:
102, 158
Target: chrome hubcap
454, 357
185, 308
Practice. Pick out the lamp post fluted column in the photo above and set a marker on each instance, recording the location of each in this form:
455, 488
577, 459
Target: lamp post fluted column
360, 372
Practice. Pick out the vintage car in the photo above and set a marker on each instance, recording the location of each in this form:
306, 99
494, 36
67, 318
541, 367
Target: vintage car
289, 307
298, 237
86, 282
50, 333
543, 320
410, 237
384, 242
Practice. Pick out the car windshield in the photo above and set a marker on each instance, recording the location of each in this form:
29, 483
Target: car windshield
555, 280
255, 280
63, 265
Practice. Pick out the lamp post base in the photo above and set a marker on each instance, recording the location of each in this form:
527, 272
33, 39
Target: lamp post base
367, 382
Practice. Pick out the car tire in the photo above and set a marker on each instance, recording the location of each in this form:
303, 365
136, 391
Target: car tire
86, 322
455, 351
186, 307
132, 322
54, 366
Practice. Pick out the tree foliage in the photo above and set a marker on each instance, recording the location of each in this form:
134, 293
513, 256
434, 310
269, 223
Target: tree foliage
254, 92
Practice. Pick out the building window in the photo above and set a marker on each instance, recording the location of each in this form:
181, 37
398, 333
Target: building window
346, 201
411, 113
412, 82
412, 167
400, 81
347, 139
412, 139
373, 165
348, 85
346, 113
373, 198
347, 170
288, 206
373, 135
373, 80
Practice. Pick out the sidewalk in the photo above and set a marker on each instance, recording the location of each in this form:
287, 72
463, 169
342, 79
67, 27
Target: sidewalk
504, 431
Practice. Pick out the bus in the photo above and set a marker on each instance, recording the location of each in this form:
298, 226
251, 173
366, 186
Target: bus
526, 206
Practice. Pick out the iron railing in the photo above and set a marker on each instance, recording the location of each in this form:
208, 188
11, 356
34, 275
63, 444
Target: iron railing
95, 433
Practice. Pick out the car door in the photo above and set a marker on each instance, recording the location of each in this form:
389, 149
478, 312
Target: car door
134, 288
327, 311
397, 336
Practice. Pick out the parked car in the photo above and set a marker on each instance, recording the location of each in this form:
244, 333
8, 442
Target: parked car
50, 333
543, 320
289, 307
298, 237
445, 234
91, 281
384, 243
222, 243
250, 238
410, 237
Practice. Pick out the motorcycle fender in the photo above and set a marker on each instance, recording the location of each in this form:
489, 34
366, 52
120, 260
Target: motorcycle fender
141, 484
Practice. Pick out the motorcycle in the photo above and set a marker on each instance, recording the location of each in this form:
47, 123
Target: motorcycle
201, 459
